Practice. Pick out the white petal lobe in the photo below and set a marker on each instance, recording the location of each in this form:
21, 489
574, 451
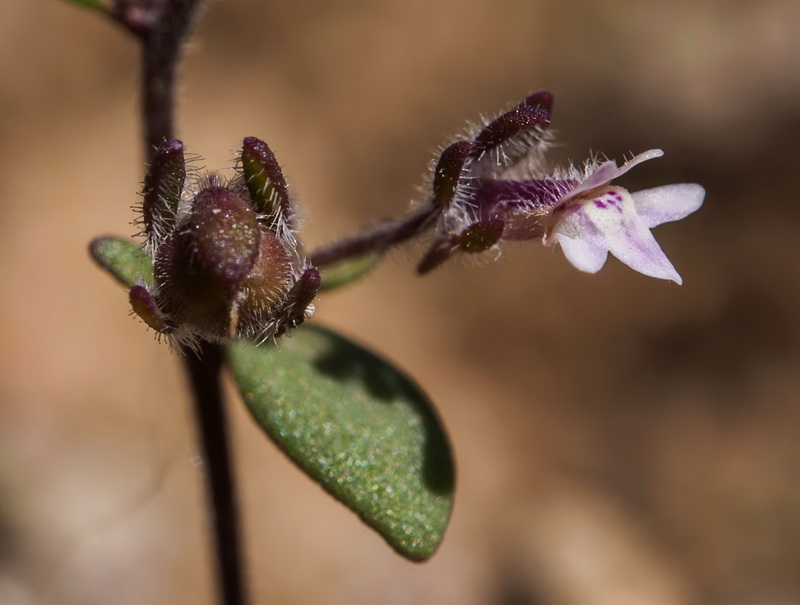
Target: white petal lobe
668, 203
607, 221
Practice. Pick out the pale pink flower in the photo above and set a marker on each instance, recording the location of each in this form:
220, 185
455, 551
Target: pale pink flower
595, 218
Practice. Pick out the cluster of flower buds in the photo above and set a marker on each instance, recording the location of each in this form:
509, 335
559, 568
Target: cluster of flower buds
495, 186
226, 258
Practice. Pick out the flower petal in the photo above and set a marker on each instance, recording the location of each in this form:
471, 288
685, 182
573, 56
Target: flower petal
668, 203
650, 154
608, 222
636, 247
586, 253
608, 171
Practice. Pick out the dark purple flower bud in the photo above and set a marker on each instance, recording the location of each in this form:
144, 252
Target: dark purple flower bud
447, 175
225, 275
481, 236
439, 252
225, 233
146, 308
265, 182
227, 265
476, 238
297, 306
543, 100
305, 289
263, 292
163, 187
506, 126
516, 133
194, 299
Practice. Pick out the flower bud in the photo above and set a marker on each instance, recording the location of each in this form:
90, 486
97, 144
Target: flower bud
225, 233
515, 134
447, 174
227, 264
543, 100
162, 190
265, 183
146, 308
297, 306
481, 236
439, 252
226, 275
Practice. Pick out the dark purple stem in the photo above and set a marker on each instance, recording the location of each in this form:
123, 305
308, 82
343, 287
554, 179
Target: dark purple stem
209, 406
376, 240
162, 28
162, 43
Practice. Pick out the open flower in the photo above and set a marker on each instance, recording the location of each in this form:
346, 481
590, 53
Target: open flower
589, 217
492, 195
596, 218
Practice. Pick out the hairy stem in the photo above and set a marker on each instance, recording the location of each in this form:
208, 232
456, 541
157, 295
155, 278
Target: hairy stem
209, 406
163, 33
162, 44
376, 240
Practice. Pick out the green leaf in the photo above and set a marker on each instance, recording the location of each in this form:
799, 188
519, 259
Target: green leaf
348, 271
124, 259
356, 425
90, 4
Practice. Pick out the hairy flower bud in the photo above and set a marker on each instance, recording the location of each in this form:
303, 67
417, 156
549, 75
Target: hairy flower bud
481, 236
447, 176
265, 183
225, 233
145, 307
163, 187
514, 134
228, 264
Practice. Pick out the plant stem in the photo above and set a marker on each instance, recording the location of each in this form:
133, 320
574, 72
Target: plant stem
209, 407
376, 240
161, 48
163, 35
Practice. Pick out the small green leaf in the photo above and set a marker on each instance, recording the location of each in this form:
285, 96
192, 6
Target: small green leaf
90, 4
345, 272
123, 259
357, 426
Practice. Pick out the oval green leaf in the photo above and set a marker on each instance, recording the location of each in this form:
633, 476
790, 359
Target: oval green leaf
96, 5
348, 271
356, 425
124, 259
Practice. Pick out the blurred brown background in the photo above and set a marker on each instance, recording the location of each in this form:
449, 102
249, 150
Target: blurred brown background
620, 440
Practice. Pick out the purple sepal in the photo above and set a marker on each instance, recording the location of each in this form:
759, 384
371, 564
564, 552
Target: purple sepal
481, 236
540, 193
225, 234
163, 186
440, 251
265, 182
447, 175
533, 112
300, 298
146, 308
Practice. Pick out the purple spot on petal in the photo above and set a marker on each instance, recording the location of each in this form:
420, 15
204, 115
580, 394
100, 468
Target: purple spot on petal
599, 204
